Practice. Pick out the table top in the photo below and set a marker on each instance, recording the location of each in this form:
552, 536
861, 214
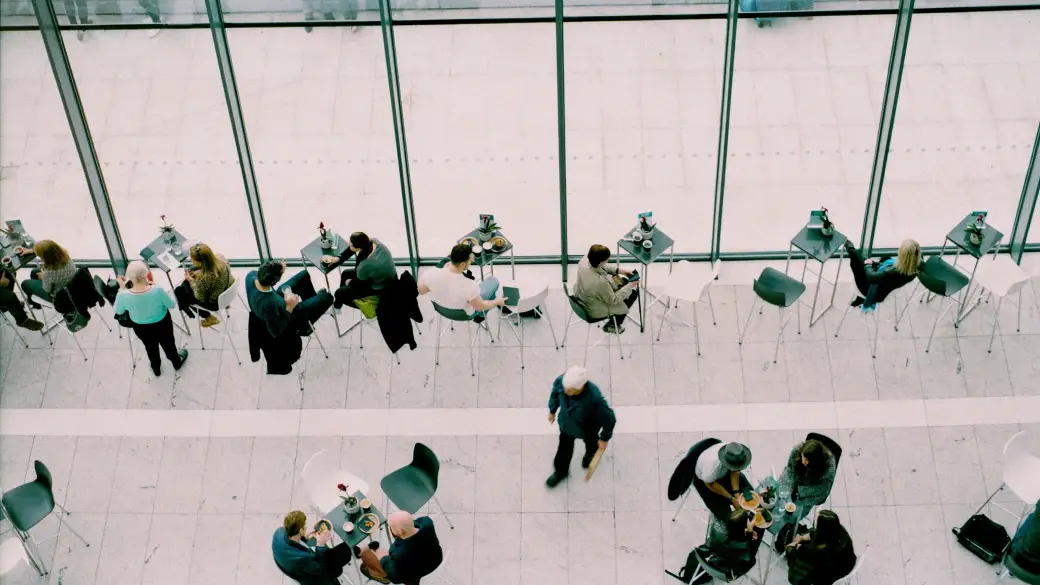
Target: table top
781, 516
991, 236
661, 242
17, 262
313, 251
158, 246
487, 256
338, 516
817, 246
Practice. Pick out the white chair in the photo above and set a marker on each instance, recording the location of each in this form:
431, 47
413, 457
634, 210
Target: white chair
689, 281
1021, 474
321, 474
1002, 278
525, 304
847, 579
223, 302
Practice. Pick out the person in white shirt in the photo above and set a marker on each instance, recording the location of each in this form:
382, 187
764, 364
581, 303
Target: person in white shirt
719, 468
450, 288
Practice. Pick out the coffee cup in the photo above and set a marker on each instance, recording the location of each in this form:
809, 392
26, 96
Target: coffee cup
6, 260
789, 506
648, 244
348, 527
637, 237
366, 504
476, 250
487, 246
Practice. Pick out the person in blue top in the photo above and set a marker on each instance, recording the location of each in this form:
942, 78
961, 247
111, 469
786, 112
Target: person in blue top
876, 281
149, 307
584, 414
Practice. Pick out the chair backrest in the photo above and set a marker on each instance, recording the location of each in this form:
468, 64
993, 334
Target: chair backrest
43, 475
705, 563
576, 306
451, 314
770, 296
531, 302
227, 297
424, 460
1022, 467
828, 442
716, 269
933, 284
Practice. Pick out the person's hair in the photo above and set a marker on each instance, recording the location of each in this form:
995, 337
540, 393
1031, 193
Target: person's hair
818, 456
136, 271
598, 255
51, 254
294, 522
736, 525
203, 256
908, 261
828, 534
460, 254
363, 243
269, 273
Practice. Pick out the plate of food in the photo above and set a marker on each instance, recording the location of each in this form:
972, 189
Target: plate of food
470, 241
322, 525
752, 502
368, 523
498, 243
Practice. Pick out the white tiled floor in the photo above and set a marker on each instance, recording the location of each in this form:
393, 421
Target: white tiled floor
182, 479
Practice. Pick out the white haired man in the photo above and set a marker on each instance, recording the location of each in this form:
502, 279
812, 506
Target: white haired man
583, 414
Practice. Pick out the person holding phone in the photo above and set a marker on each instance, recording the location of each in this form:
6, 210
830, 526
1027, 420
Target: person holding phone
603, 291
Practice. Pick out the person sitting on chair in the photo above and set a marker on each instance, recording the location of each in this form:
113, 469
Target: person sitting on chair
809, 474
602, 290
204, 282
719, 467
731, 546
320, 565
56, 273
450, 288
10, 303
821, 555
877, 281
415, 553
374, 268
295, 302
1025, 546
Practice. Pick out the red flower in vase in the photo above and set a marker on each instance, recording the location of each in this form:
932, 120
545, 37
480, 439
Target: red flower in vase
341, 487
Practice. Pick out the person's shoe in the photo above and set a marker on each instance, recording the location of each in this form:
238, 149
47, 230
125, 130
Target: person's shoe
31, 324
210, 321
506, 310
34, 304
357, 551
157, 370
355, 29
184, 357
86, 21
611, 328
478, 319
80, 34
554, 480
857, 301
585, 461
365, 571
308, 28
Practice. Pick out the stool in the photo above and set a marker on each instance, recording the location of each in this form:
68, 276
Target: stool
223, 301
939, 278
776, 288
1003, 278
686, 285
527, 304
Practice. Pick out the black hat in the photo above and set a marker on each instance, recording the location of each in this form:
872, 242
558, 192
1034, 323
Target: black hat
735, 457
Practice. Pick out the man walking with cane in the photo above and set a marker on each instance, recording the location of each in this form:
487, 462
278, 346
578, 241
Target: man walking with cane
583, 414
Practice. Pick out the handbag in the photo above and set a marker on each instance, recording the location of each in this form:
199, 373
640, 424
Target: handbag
985, 538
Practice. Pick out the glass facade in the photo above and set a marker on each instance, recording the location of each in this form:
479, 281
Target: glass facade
473, 94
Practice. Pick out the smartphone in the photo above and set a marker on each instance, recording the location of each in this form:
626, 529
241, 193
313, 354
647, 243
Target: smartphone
634, 277
512, 295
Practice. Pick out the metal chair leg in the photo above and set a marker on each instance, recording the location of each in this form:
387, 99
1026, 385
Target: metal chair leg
667, 309
996, 319
521, 320
81, 352
227, 334
472, 369
588, 332
437, 349
682, 503
877, 333
314, 332
949, 304
198, 324
842, 322
103, 321
14, 328
621, 351
711, 305
545, 313
740, 337
448, 520
780, 334
69, 526
1018, 326
899, 316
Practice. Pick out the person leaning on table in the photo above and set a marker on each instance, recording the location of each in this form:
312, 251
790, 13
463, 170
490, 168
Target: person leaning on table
149, 307
307, 565
821, 555
601, 289
720, 466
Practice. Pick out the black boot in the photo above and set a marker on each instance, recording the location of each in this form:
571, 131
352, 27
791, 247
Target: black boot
554, 480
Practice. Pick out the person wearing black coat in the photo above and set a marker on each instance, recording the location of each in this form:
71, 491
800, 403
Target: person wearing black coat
822, 555
307, 565
79, 296
398, 307
876, 281
280, 352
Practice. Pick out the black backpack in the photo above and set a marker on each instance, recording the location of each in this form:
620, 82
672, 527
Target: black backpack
984, 538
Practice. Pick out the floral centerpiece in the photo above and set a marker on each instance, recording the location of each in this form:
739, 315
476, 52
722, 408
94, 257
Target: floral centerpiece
323, 236
975, 230
487, 228
769, 496
169, 234
828, 226
350, 503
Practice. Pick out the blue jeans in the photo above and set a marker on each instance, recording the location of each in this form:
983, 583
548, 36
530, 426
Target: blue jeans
488, 290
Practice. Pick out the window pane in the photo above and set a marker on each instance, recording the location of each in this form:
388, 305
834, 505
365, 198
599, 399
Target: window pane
160, 125
480, 111
642, 129
806, 104
317, 109
967, 117
41, 178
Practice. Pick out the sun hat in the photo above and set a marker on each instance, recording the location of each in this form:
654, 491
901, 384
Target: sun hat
735, 457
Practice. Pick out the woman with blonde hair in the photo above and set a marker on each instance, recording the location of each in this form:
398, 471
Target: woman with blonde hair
149, 307
876, 281
55, 273
204, 283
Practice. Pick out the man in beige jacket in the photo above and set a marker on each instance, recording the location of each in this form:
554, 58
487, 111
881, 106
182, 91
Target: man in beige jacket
601, 289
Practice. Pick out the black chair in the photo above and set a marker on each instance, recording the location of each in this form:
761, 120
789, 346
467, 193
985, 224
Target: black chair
583, 315
26, 506
781, 291
415, 484
942, 279
459, 316
1012, 568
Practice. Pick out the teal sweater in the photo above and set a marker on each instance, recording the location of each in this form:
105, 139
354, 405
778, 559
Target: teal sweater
145, 307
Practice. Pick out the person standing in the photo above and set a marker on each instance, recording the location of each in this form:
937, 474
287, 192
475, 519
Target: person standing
415, 553
583, 414
149, 307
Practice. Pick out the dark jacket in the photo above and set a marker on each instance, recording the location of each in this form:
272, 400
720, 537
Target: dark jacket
807, 565
685, 472
281, 352
301, 563
1025, 547
83, 295
377, 269
881, 282
410, 559
269, 306
398, 307
584, 415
